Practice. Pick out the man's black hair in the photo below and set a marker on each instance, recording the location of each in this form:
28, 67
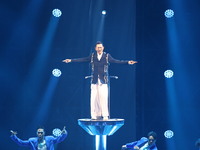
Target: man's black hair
98, 42
152, 133
40, 127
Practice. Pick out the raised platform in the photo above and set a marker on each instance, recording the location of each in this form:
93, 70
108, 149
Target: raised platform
101, 127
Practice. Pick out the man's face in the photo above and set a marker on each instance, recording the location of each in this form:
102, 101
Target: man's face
99, 48
40, 133
151, 140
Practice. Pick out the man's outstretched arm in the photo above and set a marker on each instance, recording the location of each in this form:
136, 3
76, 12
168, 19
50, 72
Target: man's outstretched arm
84, 59
113, 60
61, 137
18, 140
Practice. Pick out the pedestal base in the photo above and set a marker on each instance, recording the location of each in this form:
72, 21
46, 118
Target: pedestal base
101, 129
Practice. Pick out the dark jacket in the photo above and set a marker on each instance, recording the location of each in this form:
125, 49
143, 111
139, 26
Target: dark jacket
99, 68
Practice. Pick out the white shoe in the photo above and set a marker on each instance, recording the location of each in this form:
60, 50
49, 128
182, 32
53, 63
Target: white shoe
105, 118
94, 118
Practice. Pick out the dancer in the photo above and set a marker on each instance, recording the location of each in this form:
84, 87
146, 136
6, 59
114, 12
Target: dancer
41, 142
144, 143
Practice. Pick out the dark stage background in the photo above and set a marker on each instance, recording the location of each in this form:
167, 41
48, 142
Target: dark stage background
33, 43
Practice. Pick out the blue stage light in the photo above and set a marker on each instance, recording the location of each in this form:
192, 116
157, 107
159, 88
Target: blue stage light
169, 13
56, 72
103, 12
56, 132
169, 134
168, 73
57, 12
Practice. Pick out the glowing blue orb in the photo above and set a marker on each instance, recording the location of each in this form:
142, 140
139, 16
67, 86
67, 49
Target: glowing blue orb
56, 72
57, 12
168, 73
56, 132
169, 13
103, 12
169, 134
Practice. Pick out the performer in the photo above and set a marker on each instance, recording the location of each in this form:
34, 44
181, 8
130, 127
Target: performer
41, 142
99, 79
144, 143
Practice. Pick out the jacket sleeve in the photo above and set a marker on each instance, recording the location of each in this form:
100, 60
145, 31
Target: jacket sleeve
84, 59
137, 143
19, 141
60, 138
113, 60
131, 145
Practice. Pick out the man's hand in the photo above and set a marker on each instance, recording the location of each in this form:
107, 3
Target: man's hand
64, 131
124, 147
131, 62
67, 60
136, 148
13, 132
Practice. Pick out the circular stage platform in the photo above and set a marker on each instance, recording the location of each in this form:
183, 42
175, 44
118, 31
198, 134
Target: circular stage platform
101, 127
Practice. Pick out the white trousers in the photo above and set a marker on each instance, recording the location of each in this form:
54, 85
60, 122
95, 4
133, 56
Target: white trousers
99, 100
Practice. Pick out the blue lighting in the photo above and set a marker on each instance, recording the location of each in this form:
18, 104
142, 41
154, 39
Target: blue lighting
56, 72
57, 12
169, 134
103, 12
169, 13
168, 73
56, 132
